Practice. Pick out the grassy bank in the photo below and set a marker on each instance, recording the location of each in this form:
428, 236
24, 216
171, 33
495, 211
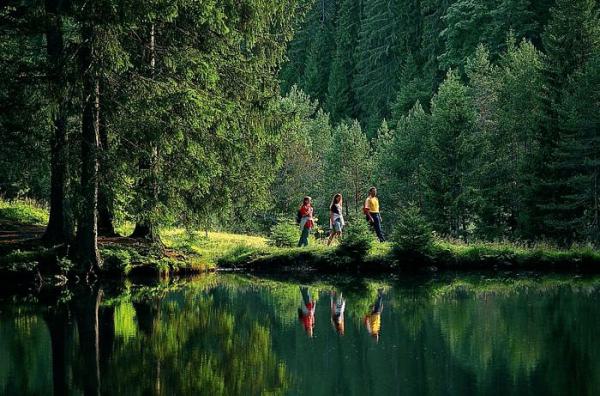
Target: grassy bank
185, 252
443, 255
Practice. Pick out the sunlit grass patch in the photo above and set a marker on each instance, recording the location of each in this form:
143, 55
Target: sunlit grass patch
24, 212
211, 248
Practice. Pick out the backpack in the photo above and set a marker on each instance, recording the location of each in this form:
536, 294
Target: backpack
298, 216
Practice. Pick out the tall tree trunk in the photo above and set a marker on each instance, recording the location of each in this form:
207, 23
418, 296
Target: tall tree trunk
58, 229
146, 228
87, 230
105, 204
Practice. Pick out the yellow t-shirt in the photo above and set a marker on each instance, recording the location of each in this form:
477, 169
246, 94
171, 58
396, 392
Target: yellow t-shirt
372, 204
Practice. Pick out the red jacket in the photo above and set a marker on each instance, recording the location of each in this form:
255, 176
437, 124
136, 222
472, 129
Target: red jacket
307, 210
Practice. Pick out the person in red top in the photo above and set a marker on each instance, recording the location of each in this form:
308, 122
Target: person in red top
306, 220
306, 312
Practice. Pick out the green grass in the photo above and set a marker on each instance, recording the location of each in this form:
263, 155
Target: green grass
192, 252
24, 212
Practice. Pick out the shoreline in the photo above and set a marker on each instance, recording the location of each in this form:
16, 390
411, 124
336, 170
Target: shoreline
25, 259
122, 261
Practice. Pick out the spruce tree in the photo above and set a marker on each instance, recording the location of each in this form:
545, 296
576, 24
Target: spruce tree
414, 87
340, 102
378, 60
320, 49
575, 215
58, 229
571, 36
517, 146
451, 149
350, 160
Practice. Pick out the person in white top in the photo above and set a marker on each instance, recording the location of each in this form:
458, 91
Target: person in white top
336, 218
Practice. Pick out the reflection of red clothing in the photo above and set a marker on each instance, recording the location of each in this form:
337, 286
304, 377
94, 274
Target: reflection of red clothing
307, 211
308, 316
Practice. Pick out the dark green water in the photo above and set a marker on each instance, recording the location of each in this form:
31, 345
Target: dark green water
232, 335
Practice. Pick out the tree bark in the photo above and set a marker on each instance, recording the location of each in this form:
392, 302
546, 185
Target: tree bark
87, 230
146, 227
105, 204
58, 230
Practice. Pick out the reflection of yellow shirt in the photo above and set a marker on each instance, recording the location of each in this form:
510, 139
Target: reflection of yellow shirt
372, 204
374, 323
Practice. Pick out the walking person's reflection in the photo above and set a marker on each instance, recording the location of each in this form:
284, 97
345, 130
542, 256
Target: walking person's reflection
338, 306
306, 312
373, 318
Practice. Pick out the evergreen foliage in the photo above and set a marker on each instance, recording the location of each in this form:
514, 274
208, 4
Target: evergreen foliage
357, 240
284, 234
412, 234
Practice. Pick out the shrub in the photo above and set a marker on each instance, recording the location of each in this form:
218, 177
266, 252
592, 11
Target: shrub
413, 235
117, 260
284, 234
356, 240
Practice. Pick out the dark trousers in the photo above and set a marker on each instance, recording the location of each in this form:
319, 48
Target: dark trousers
304, 237
376, 224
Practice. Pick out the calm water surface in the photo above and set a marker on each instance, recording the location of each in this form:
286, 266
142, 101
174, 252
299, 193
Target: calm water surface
232, 335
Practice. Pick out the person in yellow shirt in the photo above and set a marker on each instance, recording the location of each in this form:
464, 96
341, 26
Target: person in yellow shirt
371, 210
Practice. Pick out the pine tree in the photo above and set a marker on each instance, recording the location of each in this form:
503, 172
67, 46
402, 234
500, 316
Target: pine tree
413, 88
517, 147
576, 161
296, 51
305, 143
571, 36
311, 51
400, 158
57, 230
487, 173
515, 17
434, 23
465, 21
87, 253
378, 61
451, 149
350, 160
340, 100
383, 159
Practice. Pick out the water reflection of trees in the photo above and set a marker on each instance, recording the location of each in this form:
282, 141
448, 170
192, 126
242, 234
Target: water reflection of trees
532, 330
185, 342
233, 335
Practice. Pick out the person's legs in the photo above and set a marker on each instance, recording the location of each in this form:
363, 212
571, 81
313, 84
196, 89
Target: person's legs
377, 226
336, 231
304, 237
331, 236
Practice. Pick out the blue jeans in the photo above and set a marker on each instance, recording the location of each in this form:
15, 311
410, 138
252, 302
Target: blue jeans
304, 237
376, 224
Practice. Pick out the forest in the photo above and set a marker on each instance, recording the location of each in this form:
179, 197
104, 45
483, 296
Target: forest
480, 116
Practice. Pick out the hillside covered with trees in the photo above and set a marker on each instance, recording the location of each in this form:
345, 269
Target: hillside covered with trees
484, 114
480, 115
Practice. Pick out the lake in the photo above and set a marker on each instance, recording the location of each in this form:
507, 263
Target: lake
240, 335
